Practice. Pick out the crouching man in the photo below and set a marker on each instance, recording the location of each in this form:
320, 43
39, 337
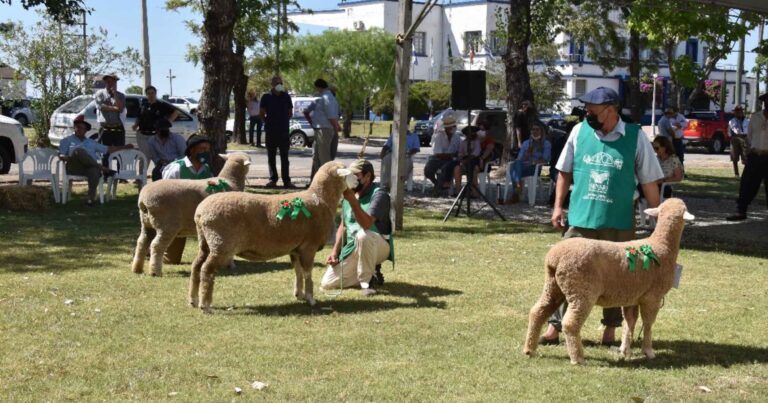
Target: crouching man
360, 240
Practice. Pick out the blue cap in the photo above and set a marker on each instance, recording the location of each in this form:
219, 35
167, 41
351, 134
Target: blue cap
599, 96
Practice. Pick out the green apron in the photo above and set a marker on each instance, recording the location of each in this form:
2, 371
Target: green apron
352, 227
186, 173
604, 180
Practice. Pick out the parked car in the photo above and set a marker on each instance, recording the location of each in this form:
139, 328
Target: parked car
18, 109
436, 123
61, 119
186, 104
13, 143
300, 135
708, 129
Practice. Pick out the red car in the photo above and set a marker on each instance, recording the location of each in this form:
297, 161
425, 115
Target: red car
708, 129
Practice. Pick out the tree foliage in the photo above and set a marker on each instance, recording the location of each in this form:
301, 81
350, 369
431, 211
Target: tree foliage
60, 10
50, 57
134, 89
420, 96
358, 64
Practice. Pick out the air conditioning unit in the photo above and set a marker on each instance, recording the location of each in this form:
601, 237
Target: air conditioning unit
359, 26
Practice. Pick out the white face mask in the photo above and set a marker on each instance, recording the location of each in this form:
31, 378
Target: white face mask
481, 134
279, 88
352, 181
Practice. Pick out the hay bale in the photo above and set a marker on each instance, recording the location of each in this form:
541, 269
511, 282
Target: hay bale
25, 198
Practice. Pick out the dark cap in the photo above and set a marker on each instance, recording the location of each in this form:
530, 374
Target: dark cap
110, 75
600, 96
80, 119
195, 140
163, 124
473, 129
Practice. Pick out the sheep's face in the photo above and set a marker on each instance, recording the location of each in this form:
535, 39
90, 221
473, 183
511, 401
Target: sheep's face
241, 158
673, 208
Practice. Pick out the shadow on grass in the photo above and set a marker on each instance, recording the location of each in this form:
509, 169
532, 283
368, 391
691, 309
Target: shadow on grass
244, 267
420, 296
729, 238
675, 354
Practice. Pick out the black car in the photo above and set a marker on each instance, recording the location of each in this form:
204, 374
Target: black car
422, 130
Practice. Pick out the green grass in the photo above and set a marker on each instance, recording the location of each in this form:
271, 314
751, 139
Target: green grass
448, 326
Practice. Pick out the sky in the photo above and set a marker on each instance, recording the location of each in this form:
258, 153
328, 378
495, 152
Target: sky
168, 37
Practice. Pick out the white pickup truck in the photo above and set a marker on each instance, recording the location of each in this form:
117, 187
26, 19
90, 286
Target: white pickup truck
13, 143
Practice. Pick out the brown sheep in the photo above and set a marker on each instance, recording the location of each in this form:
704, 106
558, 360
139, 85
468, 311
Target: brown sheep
588, 272
246, 225
167, 210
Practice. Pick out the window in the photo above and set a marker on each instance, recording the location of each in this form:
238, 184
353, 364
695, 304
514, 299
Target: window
498, 43
580, 88
692, 49
564, 86
420, 43
472, 39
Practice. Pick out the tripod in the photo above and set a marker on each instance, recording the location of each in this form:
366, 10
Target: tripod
465, 195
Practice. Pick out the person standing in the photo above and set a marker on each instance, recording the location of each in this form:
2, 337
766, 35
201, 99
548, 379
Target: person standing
756, 167
276, 109
523, 118
322, 114
110, 105
665, 124
164, 148
679, 123
151, 112
604, 158
737, 127
254, 119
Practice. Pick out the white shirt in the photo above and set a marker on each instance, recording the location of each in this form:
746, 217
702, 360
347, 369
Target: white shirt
173, 170
738, 127
681, 122
757, 134
442, 145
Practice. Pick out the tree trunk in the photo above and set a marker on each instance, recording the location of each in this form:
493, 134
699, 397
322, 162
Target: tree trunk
516, 65
217, 61
674, 96
240, 87
346, 128
636, 107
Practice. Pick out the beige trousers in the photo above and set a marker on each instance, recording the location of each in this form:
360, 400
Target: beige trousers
370, 249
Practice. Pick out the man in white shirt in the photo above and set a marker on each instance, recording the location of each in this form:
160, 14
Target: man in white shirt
445, 148
737, 127
254, 120
756, 167
678, 123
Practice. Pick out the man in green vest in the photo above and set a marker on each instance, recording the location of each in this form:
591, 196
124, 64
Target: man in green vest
362, 240
193, 166
604, 158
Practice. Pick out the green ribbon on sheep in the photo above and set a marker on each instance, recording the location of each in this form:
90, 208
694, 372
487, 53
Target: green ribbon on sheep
648, 256
222, 186
293, 208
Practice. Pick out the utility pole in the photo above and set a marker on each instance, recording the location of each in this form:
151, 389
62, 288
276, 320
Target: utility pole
145, 44
170, 78
85, 82
756, 102
739, 70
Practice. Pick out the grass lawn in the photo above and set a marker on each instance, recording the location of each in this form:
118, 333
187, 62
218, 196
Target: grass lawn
77, 325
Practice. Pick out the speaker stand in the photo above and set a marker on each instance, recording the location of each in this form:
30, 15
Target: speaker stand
466, 195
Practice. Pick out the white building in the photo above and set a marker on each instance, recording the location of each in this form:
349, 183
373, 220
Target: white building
465, 32
10, 87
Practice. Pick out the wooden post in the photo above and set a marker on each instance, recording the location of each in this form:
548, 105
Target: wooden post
402, 71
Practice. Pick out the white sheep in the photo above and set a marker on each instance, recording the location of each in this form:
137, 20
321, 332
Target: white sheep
247, 225
588, 272
167, 210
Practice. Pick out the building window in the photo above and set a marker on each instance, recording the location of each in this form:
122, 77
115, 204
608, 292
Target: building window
498, 44
580, 88
472, 39
692, 49
564, 86
420, 43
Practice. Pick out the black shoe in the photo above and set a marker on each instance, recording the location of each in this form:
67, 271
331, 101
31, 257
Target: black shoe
377, 280
289, 185
549, 342
737, 217
90, 203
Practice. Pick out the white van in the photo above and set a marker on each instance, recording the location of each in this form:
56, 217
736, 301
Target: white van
13, 143
62, 118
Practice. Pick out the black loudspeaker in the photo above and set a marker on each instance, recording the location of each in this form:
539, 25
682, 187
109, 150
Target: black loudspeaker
468, 89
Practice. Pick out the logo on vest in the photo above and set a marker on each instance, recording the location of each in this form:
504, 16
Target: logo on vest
598, 186
604, 160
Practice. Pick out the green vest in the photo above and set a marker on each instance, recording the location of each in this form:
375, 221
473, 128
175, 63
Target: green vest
604, 180
352, 227
186, 173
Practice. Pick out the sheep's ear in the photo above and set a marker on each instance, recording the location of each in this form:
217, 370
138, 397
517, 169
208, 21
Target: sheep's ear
224, 156
343, 172
653, 212
688, 217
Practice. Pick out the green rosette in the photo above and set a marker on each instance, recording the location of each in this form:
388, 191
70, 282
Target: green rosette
648, 256
222, 186
631, 254
299, 208
285, 209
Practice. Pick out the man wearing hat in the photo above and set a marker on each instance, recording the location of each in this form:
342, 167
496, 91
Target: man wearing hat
737, 127
110, 105
445, 147
164, 147
80, 154
604, 158
362, 240
756, 167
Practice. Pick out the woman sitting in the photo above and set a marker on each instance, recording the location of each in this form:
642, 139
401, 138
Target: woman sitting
670, 164
535, 150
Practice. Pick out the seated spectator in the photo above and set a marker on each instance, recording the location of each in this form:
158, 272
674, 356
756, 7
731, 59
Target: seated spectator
164, 147
487, 144
470, 151
444, 150
670, 163
81, 157
412, 146
535, 150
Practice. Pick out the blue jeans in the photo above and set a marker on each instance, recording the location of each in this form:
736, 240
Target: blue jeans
519, 170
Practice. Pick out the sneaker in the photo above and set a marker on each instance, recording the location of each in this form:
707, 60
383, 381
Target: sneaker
365, 285
737, 217
271, 184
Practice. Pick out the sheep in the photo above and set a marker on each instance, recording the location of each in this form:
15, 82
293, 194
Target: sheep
167, 210
247, 225
588, 272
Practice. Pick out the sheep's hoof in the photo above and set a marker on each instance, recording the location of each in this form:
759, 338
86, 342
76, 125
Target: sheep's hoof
206, 310
649, 354
193, 303
311, 300
626, 352
299, 296
530, 353
157, 274
578, 361
137, 269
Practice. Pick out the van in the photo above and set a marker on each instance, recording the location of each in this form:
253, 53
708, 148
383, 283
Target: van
62, 118
13, 143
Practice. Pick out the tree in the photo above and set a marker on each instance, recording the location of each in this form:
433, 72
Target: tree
420, 96
59, 10
134, 89
50, 57
356, 63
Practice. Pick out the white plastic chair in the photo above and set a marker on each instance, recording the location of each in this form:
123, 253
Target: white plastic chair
642, 204
130, 165
531, 183
67, 179
44, 162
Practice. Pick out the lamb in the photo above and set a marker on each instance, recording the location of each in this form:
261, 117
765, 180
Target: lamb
167, 210
247, 225
586, 272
